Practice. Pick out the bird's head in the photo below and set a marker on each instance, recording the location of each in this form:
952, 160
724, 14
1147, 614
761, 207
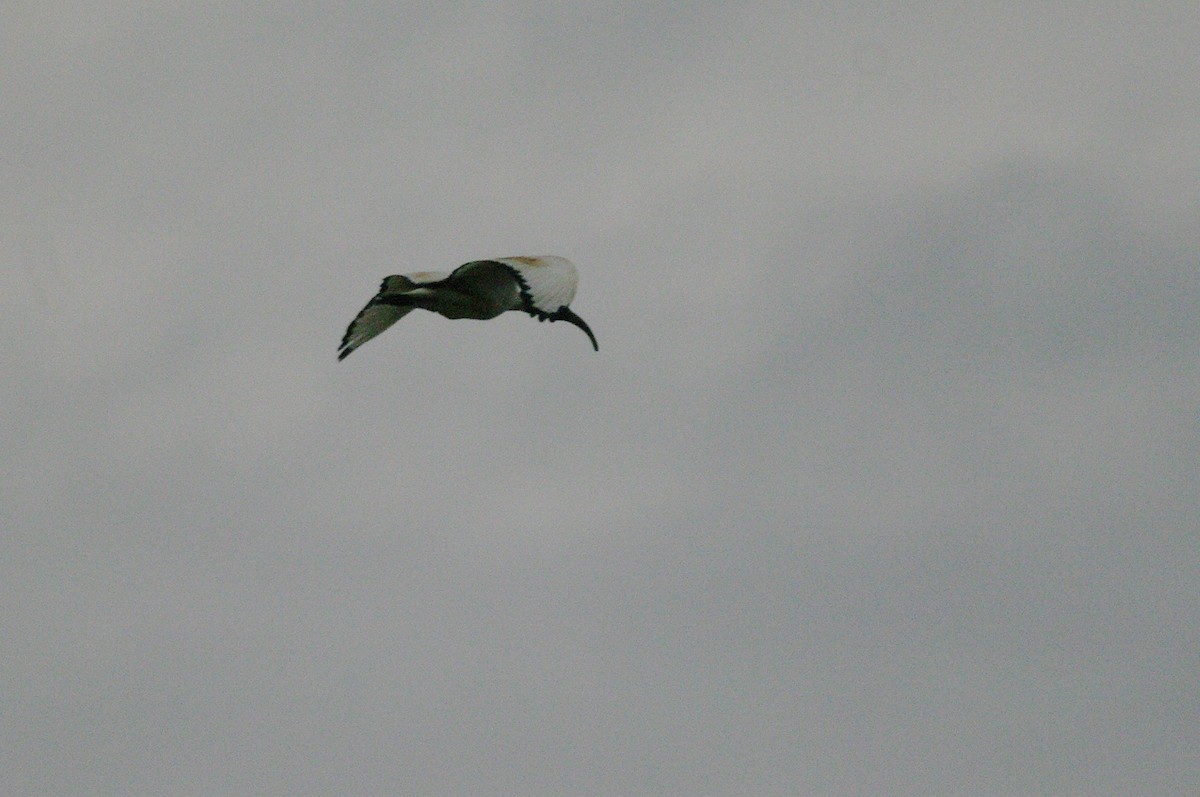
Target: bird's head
565, 313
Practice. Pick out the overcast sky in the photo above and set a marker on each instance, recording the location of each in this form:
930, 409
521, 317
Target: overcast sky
884, 481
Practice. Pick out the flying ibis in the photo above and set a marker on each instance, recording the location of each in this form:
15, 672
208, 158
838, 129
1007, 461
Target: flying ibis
540, 286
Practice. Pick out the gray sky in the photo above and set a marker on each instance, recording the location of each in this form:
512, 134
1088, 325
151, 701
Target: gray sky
884, 480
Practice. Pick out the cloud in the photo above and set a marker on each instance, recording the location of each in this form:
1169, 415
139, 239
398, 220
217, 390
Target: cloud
882, 480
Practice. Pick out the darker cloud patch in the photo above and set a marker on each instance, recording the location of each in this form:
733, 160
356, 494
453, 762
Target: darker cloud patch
1034, 262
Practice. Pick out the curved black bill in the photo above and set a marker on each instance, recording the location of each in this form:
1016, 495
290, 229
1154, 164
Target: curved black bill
565, 314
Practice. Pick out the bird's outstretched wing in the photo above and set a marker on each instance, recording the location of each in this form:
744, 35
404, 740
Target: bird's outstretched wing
547, 286
385, 309
546, 283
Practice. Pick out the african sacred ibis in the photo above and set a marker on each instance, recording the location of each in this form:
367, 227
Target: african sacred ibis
540, 286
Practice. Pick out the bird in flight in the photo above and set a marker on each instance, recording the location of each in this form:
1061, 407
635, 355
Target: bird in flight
540, 286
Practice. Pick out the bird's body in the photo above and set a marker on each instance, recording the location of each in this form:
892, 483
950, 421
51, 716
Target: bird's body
543, 287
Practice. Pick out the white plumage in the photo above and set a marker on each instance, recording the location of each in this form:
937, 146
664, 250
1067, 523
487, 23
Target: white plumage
540, 286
